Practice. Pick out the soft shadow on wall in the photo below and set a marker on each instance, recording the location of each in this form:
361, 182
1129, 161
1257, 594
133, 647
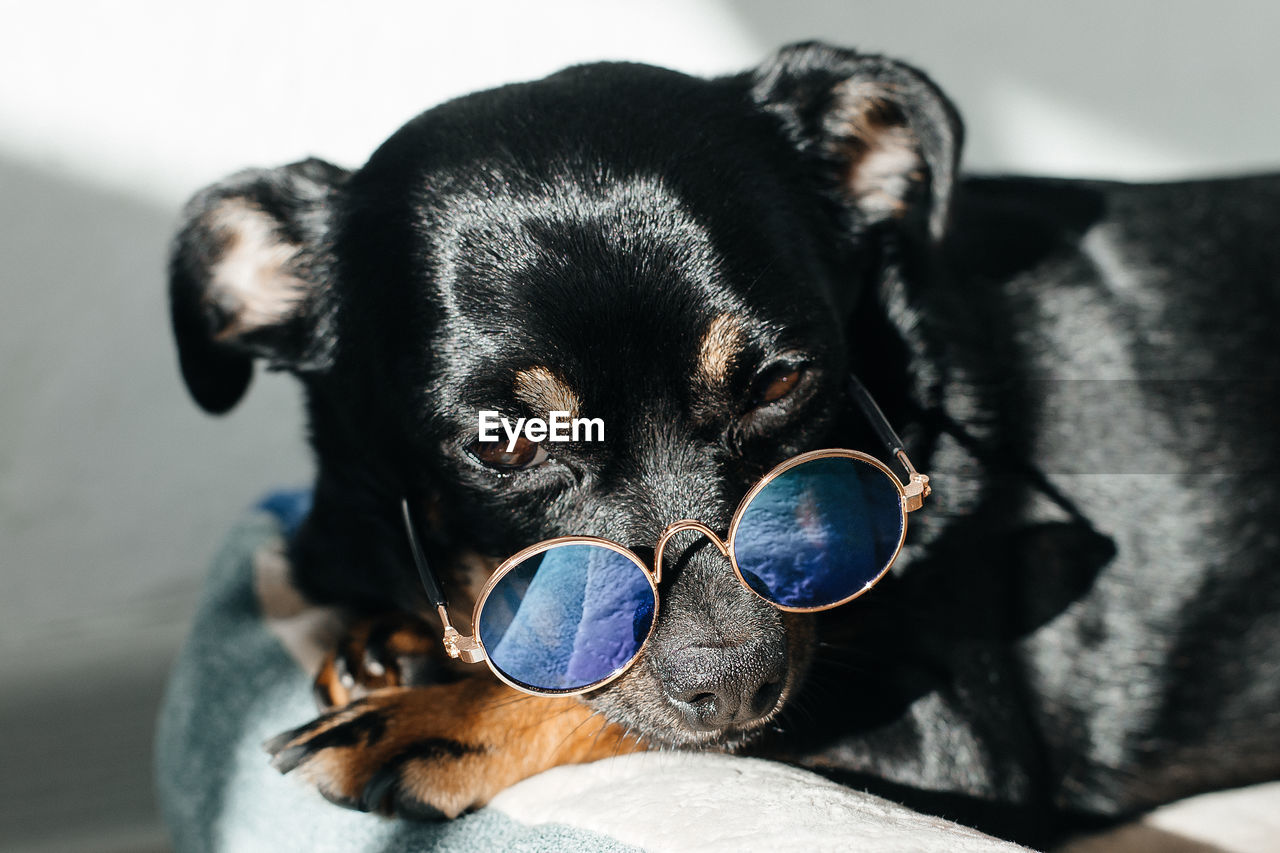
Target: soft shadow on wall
103, 456
114, 492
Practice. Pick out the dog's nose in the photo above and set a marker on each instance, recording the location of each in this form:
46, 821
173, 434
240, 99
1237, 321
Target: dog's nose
717, 687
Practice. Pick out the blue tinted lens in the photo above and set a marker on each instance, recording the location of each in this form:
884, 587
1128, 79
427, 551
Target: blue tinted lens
819, 532
568, 617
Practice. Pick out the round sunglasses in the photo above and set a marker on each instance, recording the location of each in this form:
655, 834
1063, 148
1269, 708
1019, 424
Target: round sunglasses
571, 614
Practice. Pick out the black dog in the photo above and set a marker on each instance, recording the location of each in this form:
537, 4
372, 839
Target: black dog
1084, 621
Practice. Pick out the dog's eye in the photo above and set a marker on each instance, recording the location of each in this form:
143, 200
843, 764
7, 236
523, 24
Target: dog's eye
776, 382
494, 454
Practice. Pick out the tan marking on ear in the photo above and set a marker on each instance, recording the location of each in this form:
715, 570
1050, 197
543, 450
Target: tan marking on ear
719, 350
253, 276
882, 154
544, 391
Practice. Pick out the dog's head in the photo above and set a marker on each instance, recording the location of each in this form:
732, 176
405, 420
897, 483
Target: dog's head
680, 258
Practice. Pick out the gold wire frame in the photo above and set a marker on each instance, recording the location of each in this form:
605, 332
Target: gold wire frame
471, 649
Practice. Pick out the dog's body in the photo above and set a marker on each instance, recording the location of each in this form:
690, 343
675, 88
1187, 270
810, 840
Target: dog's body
1084, 621
1096, 628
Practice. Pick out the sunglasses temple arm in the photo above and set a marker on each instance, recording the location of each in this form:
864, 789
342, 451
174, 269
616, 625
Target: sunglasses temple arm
455, 643
916, 486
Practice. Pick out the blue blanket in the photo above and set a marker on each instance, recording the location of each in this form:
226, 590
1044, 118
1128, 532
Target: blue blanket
235, 685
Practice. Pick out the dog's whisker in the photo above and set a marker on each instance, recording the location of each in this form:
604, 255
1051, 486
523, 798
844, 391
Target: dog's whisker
542, 720
565, 740
604, 726
507, 702
833, 666
799, 706
622, 738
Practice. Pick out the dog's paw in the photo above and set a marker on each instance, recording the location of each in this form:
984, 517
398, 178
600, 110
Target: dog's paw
394, 650
376, 754
433, 752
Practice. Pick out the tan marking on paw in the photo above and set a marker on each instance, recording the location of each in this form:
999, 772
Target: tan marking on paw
454, 746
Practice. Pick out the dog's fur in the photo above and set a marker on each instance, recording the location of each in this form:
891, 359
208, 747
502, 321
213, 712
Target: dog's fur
1084, 622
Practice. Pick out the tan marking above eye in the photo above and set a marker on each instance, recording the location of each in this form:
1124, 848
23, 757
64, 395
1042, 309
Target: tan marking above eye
719, 349
544, 391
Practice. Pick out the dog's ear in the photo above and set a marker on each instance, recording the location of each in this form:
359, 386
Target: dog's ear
246, 278
885, 136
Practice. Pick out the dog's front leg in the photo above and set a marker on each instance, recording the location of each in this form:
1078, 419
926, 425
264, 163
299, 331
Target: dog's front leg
431, 752
390, 650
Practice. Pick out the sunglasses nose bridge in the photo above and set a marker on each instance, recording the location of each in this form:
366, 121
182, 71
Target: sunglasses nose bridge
679, 527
